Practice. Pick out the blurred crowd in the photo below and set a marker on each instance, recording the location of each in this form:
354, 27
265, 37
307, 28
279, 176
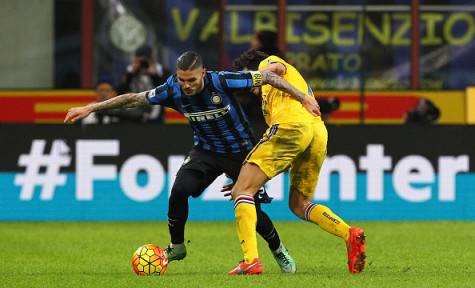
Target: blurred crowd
145, 73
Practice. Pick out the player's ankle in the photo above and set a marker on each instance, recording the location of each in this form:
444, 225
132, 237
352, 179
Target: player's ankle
279, 249
179, 245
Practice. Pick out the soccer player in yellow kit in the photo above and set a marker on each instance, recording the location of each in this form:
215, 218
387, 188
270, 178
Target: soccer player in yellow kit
295, 139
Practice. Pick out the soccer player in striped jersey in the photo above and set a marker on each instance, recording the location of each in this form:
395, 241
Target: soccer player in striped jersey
222, 139
296, 139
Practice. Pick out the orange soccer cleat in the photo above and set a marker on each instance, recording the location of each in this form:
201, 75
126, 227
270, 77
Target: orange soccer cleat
355, 248
253, 268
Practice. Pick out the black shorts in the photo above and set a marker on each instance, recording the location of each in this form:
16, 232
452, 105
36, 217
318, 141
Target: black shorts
211, 165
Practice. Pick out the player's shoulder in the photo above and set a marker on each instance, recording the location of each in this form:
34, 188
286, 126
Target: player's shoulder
168, 88
226, 79
172, 80
271, 59
214, 76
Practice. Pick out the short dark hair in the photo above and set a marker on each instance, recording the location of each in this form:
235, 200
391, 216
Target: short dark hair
250, 59
189, 60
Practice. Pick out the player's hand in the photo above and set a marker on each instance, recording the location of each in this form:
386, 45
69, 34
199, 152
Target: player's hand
261, 193
227, 189
77, 113
311, 104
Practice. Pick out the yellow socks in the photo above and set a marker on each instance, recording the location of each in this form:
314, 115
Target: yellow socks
327, 220
246, 218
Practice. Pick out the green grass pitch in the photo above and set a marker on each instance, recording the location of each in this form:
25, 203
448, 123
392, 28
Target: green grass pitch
400, 254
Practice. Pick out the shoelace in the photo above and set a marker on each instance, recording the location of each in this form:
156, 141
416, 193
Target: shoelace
283, 258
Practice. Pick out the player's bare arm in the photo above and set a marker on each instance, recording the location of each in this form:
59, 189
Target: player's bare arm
310, 103
122, 101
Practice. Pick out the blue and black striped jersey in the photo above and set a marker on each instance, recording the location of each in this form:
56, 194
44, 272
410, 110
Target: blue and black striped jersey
218, 121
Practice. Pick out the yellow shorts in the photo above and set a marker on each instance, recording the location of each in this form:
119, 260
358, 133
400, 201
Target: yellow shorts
299, 146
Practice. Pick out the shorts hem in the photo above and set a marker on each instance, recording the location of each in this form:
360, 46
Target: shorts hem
258, 164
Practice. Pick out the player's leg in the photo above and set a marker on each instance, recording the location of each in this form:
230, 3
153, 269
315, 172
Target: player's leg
191, 180
303, 207
250, 180
267, 230
303, 180
324, 217
264, 226
272, 155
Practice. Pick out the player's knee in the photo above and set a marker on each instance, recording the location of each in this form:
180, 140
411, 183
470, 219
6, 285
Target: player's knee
178, 201
250, 180
181, 191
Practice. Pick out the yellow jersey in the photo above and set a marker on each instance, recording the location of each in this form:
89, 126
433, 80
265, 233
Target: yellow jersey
279, 107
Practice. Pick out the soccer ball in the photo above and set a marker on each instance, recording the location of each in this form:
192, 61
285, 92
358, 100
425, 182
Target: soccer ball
149, 260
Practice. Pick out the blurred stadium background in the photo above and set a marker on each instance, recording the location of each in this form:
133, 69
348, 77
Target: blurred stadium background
397, 79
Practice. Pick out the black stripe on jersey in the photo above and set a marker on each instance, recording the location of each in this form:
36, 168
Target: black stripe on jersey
175, 99
239, 110
222, 80
170, 101
238, 76
228, 118
246, 123
226, 89
235, 132
162, 88
214, 125
195, 126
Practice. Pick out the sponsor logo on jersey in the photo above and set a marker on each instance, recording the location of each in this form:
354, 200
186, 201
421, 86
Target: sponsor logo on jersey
208, 115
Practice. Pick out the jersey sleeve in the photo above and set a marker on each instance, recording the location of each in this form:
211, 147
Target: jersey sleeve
161, 95
240, 79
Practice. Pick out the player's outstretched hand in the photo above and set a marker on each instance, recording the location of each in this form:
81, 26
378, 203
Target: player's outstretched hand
311, 104
76, 113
